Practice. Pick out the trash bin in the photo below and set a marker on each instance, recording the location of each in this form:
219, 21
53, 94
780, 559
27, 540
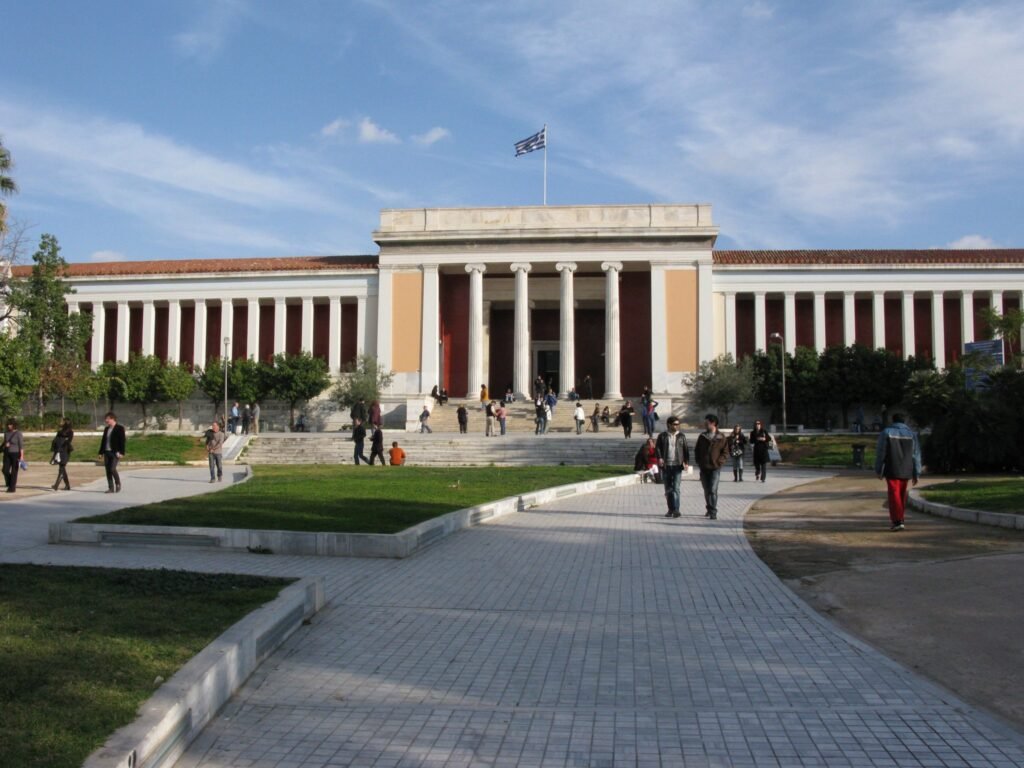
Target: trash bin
858, 455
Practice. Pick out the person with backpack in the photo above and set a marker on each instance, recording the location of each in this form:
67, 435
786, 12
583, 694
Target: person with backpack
425, 420
898, 462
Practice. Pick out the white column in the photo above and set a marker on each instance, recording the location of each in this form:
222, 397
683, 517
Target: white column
475, 351
705, 315
99, 333
73, 308
173, 331
659, 333
334, 343
938, 331
227, 327
612, 381
760, 331
430, 330
730, 324
252, 331
967, 316
849, 319
566, 328
997, 302
280, 324
148, 327
199, 335
789, 321
362, 329
909, 340
878, 318
819, 321
307, 324
521, 336
121, 354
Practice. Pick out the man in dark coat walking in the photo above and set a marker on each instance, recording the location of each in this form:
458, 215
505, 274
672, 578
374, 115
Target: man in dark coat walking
112, 449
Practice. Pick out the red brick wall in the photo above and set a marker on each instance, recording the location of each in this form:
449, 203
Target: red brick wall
864, 330
214, 347
745, 341
894, 325
293, 329
952, 324
266, 345
321, 331
834, 322
134, 331
160, 332
804, 321
923, 343
187, 338
349, 332
240, 332
635, 332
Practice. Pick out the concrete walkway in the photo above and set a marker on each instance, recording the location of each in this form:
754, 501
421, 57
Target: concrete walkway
592, 632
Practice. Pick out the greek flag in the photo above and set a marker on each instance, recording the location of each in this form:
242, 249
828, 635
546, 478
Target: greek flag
539, 140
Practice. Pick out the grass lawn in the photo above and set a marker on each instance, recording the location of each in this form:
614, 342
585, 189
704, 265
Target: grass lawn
80, 649
996, 495
350, 498
153, 447
825, 450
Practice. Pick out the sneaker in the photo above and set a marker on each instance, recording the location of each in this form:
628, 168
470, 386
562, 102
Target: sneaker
670, 513
896, 527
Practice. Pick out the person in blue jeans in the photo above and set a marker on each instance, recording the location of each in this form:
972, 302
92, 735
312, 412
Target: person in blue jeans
359, 437
673, 458
710, 453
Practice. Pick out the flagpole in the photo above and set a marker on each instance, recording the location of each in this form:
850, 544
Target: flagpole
545, 163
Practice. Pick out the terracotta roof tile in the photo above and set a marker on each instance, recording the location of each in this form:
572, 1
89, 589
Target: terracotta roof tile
937, 256
208, 266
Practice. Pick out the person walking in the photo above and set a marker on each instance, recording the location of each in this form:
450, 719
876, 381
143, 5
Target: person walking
113, 445
62, 448
580, 417
626, 418
246, 418
650, 416
377, 445
595, 418
359, 437
14, 454
396, 454
358, 411
898, 462
551, 400
501, 414
737, 447
711, 452
673, 458
541, 419
463, 418
490, 420
215, 452
255, 418
375, 415
761, 441
425, 420
235, 416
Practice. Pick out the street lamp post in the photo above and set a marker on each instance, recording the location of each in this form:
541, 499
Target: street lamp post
227, 351
782, 356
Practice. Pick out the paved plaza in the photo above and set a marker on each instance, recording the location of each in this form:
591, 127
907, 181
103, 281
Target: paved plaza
590, 632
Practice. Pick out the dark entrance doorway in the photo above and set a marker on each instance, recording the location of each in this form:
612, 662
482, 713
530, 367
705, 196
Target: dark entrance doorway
547, 361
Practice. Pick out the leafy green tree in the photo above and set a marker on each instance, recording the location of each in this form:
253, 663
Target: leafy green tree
89, 387
59, 376
177, 383
1006, 326
250, 381
7, 185
297, 378
136, 382
363, 379
721, 384
19, 376
211, 382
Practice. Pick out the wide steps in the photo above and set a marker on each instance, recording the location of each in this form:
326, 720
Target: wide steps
521, 417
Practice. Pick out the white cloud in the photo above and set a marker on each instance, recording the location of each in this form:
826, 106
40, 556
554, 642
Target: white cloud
205, 39
972, 242
107, 256
432, 136
758, 10
335, 127
371, 133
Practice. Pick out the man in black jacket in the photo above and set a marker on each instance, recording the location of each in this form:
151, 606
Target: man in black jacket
112, 448
358, 437
673, 457
711, 452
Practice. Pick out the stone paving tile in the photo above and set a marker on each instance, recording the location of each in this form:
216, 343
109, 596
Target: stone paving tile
590, 632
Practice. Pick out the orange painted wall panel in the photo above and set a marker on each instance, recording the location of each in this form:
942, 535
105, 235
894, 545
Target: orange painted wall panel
682, 322
406, 321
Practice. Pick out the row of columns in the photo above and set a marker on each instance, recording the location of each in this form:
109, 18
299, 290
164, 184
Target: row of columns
567, 329
849, 328
226, 328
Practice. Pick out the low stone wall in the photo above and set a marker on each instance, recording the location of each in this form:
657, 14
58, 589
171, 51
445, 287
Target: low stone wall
394, 545
996, 519
175, 715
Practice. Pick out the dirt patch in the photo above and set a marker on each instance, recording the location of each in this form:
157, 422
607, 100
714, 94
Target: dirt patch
942, 597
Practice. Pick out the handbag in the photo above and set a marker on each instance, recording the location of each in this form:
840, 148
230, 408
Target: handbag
55, 459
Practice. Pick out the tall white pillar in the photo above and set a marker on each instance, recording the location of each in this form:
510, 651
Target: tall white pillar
521, 336
173, 331
878, 318
760, 329
849, 319
789, 321
967, 316
252, 331
363, 330
307, 324
612, 380
475, 351
122, 331
819, 321
280, 324
227, 327
148, 327
730, 324
566, 328
909, 339
430, 330
99, 333
334, 342
997, 302
938, 331
199, 335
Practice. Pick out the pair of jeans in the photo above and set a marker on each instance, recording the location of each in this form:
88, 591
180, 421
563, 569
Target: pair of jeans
424, 427
359, 453
709, 482
11, 467
502, 421
670, 476
649, 424
110, 462
216, 466
737, 466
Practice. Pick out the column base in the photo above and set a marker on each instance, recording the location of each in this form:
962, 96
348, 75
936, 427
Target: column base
612, 396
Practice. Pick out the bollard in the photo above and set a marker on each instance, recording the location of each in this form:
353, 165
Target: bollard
858, 455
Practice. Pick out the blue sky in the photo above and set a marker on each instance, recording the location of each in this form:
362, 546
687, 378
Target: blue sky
230, 128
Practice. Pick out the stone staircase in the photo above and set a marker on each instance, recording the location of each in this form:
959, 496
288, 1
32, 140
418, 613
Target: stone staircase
452, 449
521, 417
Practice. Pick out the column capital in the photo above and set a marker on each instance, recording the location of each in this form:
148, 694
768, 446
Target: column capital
481, 268
254, 301
280, 300
566, 266
520, 266
608, 266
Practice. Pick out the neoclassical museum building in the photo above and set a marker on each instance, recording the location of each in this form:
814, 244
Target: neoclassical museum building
630, 295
